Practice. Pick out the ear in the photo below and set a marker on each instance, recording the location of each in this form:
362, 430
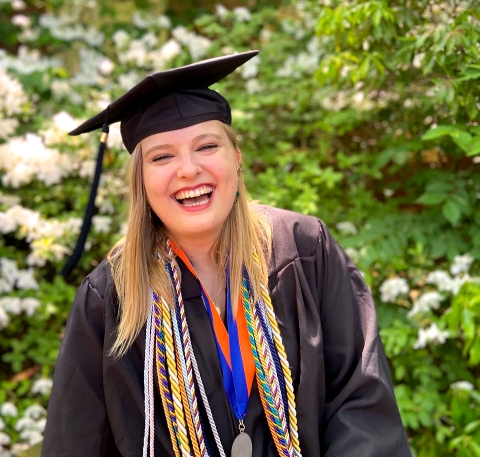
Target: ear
239, 157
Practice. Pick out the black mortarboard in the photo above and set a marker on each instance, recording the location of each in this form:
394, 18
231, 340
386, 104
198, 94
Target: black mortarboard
170, 100
163, 101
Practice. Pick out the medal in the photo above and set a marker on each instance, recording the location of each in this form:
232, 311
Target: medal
242, 446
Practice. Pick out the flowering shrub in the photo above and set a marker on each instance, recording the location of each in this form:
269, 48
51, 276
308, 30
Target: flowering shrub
433, 344
359, 112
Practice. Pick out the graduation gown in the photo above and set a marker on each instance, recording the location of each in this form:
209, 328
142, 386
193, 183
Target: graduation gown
344, 396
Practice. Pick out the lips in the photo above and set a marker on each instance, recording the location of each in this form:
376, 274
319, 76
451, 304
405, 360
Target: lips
194, 197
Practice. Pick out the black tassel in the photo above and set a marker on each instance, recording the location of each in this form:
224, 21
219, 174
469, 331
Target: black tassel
89, 211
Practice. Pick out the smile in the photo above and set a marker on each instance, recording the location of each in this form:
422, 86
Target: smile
194, 197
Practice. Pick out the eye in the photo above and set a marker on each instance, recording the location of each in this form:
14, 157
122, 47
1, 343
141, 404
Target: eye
161, 157
208, 147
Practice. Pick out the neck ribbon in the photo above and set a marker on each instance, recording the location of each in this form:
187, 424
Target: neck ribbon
233, 346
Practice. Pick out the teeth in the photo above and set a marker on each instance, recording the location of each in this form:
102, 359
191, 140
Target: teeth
183, 194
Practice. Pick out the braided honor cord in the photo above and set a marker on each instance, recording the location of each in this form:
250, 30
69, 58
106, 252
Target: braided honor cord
292, 412
177, 366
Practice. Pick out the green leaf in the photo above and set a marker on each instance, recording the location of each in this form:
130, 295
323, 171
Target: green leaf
432, 199
470, 73
462, 139
474, 147
468, 324
472, 426
439, 131
451, 211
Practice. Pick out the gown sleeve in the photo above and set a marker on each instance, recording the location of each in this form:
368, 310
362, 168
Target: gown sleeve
361, 417
77, 420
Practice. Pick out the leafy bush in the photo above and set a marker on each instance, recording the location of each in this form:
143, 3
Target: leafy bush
360, 112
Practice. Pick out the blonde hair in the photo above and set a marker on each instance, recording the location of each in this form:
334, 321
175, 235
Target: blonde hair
137, 260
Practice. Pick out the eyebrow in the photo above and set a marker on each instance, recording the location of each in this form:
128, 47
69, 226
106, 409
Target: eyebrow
168, 146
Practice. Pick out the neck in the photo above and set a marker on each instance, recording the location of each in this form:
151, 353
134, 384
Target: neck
196, 250
199, 256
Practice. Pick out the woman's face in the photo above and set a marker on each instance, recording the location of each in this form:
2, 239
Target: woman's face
190, 178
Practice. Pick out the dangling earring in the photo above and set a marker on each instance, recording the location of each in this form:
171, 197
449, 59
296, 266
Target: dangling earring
239, 170
237, 196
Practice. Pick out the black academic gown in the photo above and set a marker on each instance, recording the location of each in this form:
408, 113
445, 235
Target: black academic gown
345, 401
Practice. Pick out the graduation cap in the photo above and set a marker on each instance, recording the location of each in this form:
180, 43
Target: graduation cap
163, 101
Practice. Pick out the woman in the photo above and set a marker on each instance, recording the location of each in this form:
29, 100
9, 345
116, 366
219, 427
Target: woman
216, 327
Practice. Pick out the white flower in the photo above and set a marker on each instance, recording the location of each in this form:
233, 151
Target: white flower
4, 318
23, 159
20, 20
4, 440
347, 227
32, 436
253, 86
418, 59
441, 279
170, 50
242, 14
41, 423
392, 288
12, 102
8, 409
9, 200
35, 411
18, 5
114, 141
426, 302
461, 264
458, 282
164, 22
64, 122
26, 280
430, 335
250, 68
8, 127
102, 224
106, 66
87, 168
121, 39
128, 80
30, 305
139, 21
42, 386
9, 270
18, 449
2, 424
60, 88
181, 34
12, 305
198, 47
461, 385
25, 423
221, 11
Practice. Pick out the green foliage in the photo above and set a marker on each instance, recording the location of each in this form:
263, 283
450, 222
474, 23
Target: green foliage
362, 112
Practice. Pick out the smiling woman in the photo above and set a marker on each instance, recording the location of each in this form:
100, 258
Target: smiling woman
216, 327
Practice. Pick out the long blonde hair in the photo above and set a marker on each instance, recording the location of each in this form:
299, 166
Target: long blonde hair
137, 260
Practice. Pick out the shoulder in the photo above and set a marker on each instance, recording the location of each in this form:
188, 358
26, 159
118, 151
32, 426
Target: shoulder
100, 279
95, 302
294, 235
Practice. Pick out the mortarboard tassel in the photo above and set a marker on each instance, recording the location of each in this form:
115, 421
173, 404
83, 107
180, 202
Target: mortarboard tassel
87, 219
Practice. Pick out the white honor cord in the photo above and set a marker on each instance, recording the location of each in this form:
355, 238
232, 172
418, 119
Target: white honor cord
151, 396
147, 384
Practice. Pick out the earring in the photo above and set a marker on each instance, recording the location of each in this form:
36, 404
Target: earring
237, 196
239, 170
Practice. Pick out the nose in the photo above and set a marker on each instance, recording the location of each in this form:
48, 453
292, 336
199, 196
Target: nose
189, 168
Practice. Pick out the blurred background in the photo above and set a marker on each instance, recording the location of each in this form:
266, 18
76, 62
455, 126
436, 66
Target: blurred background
361, 112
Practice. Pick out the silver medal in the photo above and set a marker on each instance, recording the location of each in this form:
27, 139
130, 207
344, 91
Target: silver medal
242, 446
